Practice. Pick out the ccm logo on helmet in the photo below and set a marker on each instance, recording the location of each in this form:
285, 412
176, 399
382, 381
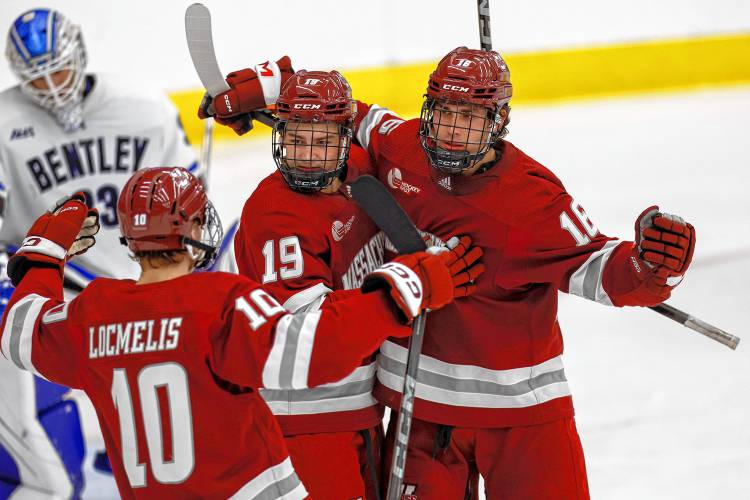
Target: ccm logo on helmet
307, 106
456, 88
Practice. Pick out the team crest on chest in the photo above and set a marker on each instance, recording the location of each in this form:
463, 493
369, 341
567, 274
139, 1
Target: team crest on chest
339, 229
396, 181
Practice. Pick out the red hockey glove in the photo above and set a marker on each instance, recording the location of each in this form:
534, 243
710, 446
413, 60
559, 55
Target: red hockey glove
250, 90
428, 280
665, 242
67, 230
660, 256
463, 262
241, 124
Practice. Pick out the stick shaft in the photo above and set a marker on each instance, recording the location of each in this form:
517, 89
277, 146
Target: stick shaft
405, 414
206, 148
483, 14
697, 325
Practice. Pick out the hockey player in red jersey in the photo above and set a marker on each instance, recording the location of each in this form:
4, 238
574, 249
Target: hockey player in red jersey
302, 237
172, 362
494, 398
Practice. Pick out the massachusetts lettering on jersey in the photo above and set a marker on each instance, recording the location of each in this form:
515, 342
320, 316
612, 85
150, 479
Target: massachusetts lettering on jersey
369, 258
71, 160
134, 337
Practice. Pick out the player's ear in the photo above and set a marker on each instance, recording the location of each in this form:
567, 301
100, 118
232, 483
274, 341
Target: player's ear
197, 230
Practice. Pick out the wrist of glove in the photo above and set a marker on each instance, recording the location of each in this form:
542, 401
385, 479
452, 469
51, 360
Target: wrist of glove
661, 254
64, 232
429, 280
249, 90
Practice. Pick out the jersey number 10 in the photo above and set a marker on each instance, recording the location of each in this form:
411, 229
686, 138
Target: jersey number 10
173, 379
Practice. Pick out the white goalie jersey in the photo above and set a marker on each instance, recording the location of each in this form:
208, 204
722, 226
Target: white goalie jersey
125, 129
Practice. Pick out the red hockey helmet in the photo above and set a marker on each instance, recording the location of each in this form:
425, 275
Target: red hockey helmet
157, 208
472, 76
308, 100
466, 77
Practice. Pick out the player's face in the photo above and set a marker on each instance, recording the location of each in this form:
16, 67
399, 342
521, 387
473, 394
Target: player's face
461, 127
58, 79
312, 145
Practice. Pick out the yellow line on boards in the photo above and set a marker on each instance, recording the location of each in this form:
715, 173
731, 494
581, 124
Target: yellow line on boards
544, 77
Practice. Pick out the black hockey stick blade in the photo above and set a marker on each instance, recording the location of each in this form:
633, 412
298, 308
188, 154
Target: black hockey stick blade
373, 197
698, 325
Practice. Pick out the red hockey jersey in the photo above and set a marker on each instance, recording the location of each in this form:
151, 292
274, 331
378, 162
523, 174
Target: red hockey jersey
301, 246
494, 359
173, 368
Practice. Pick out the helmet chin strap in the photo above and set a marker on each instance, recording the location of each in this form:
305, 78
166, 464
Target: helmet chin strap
198, 251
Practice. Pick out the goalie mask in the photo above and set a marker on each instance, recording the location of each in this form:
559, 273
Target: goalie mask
46, 52
312, 137
461, 119
158, 209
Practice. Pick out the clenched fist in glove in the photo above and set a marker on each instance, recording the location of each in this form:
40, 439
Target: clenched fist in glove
65, 231
249, 90
662, 252
431, 279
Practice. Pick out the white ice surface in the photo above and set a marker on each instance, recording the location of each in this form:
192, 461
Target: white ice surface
663, 412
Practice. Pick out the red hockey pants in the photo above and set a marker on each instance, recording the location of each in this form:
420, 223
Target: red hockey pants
536, 462
338, 465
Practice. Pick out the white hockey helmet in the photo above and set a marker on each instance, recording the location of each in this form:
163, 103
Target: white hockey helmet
46, 51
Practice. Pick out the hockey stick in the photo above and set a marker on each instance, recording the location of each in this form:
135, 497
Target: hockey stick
698, 325
201, 46
485, 34
206, 148
710, 331
379, 205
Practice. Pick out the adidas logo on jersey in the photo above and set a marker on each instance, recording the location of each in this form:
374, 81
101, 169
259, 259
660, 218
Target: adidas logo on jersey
445, 183
396, 182
22, 133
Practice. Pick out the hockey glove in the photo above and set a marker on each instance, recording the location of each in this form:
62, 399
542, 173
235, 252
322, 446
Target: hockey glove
661, 253
464, 264
665, 242
250, 90
241, 124
64, 232
428, 280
